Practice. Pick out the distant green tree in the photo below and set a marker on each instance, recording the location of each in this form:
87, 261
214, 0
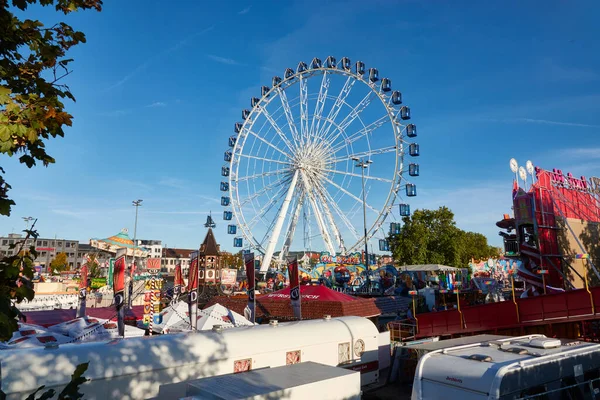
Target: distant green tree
432, 237
59, 263
32, 63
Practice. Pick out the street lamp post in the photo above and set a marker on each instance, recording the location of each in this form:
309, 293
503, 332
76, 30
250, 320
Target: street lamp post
136, 204
27, 221
364, 164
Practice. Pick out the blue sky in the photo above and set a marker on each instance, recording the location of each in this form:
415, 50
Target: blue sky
159, 88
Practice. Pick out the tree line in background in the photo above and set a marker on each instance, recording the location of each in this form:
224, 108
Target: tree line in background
432, 237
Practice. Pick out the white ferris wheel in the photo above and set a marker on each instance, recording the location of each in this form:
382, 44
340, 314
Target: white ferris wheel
318, 161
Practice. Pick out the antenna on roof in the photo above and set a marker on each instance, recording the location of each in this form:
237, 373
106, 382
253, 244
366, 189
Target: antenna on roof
209, 221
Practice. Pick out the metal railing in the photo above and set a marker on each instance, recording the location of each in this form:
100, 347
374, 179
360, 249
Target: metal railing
402, 331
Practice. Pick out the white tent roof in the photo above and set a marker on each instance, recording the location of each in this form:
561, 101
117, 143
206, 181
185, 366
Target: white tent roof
428, 268
91, 329
175, 318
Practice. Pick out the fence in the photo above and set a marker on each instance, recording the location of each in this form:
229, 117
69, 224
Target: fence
574, 305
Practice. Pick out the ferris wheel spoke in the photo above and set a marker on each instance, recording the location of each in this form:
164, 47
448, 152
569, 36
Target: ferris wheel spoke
268, 143
340, 213
264, 159
372, 127
289, 237
266, 208
334, 228
351, 195
337, 106
318, 216
375, 178
316, 120
266, 262
365, 154
288, 114
262, 191
303, 110
277, 128
352, 115
262, 174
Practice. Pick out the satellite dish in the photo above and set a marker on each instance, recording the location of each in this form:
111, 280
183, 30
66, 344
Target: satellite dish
529, 166
514, 166
522, 174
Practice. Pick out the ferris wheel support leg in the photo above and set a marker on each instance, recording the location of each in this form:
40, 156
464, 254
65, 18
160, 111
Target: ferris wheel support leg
277, 229
318, 216
291, 230
336, 231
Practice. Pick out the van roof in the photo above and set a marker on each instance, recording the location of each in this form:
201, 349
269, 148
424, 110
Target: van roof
482, 366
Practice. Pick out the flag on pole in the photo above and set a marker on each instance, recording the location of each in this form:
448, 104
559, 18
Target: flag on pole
250, 274
119, 289
83, 275
130, 294
193, 290
177, 284
295, 287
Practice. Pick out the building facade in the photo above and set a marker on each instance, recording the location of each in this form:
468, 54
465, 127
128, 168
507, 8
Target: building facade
155, 247
171, 257
47, 249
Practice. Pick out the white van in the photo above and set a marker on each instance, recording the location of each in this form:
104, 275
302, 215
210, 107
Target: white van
526, 367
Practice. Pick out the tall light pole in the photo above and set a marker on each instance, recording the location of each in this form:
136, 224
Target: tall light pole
364, 164
136, 204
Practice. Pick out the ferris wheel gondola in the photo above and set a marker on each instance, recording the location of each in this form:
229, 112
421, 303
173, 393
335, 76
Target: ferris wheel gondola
293, 159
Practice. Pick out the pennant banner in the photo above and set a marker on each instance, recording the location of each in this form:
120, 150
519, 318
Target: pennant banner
83, 275
119, 289
177, 284
193, 290
294, 287
250, 274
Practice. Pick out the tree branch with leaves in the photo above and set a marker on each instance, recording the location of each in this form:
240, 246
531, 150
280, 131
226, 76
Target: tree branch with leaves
32, 64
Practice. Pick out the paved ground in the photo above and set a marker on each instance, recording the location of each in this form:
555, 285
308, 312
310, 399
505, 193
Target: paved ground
392, 391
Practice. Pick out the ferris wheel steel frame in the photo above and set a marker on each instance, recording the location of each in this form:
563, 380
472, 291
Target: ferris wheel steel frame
312, 139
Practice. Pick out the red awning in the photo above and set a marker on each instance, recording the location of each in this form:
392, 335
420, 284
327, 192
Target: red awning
52, 317
310, 293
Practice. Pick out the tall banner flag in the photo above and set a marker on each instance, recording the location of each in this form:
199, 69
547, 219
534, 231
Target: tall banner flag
250, 274
130, 294
119, 289
177, 284
193, 290
111, 271
294, 287
83, 275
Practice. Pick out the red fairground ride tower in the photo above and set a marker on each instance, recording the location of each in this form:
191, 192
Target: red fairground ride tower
555, 231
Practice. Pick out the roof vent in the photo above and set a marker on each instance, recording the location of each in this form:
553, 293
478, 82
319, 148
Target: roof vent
273, 322
51, 346
545, 343
517, 350
480, 357
327, 317
217, 328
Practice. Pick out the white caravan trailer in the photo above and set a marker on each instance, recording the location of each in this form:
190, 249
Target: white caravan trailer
159, 366
512, 368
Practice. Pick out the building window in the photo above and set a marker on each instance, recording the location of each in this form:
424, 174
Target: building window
68, 244
44, 243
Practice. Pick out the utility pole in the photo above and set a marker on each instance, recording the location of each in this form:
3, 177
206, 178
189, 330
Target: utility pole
364, 164
136, 204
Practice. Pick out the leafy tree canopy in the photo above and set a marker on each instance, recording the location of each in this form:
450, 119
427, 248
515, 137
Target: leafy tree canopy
59, 263
32, 63
432, 237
